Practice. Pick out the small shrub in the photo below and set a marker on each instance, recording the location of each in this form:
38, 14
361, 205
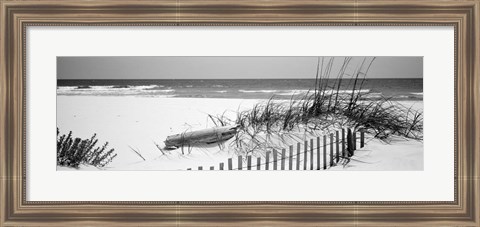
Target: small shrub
73, 152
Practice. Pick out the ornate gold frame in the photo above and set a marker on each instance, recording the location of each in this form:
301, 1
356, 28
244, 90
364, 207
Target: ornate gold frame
15, 16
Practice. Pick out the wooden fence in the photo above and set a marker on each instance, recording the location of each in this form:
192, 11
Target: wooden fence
315, 151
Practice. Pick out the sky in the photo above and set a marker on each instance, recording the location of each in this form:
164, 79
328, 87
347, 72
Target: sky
133, 67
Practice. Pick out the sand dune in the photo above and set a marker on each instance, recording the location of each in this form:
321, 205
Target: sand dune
141, 122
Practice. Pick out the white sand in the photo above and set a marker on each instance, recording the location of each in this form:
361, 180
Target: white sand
140, 122
399, 154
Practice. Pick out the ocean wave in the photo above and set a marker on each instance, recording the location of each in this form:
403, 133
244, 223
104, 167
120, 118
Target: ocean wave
330, 92
373, 95
148, 87
109, 87
293, 92
257, 91
417, 93
302, 92
66, 88
223, 91
327, 92
165, 90
112, 90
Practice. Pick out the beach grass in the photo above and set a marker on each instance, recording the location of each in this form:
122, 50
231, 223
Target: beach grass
331, 104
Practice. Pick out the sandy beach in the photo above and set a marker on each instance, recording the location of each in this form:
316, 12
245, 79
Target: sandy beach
139, 123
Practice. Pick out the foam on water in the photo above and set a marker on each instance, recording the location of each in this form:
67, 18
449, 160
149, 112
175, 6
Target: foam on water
293, 92
257, 91
112, 90
244, 89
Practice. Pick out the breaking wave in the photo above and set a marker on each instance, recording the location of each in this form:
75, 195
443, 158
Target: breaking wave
113, 90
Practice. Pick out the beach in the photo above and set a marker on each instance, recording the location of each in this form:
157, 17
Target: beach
140, 123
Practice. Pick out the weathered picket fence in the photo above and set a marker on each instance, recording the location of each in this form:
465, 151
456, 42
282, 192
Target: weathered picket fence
340, 145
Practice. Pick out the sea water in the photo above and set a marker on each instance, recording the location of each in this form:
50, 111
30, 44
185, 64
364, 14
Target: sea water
394, 89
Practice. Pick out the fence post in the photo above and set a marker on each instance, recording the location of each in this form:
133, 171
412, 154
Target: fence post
331, 149
349, 143
212, 168
362, 138
311, 154
343, 143
354, 140
200, 168
259, 161
324, 151
318, 153
305, 155
283, 159
298, 156
240, 162
337, 148
249, 162
290, 158
275, 156
221, 166
267, 160
230, 164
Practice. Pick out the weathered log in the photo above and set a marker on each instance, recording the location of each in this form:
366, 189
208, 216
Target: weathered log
206, 136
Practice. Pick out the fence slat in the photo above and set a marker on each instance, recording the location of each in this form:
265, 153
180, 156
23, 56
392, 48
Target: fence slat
334, 141
331, 149
337, 147
290, 158
267, 160
249, 162
318, 153
298, 156
343, 143
350, 150
362, 139
240, 162
275, 156
354, 140
311, 154
305, 155
325, 152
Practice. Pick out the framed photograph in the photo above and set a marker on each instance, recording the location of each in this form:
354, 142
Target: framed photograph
239, 113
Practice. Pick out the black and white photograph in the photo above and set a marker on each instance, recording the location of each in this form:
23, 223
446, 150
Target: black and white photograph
258, 113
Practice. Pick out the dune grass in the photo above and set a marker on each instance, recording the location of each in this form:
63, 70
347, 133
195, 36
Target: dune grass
72, 152
336, 101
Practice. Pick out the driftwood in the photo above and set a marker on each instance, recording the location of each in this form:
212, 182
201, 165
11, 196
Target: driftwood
206, 136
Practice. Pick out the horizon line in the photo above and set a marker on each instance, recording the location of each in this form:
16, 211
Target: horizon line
246, 78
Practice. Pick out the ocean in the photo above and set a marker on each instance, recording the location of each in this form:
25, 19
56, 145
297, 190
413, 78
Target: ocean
396, 89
